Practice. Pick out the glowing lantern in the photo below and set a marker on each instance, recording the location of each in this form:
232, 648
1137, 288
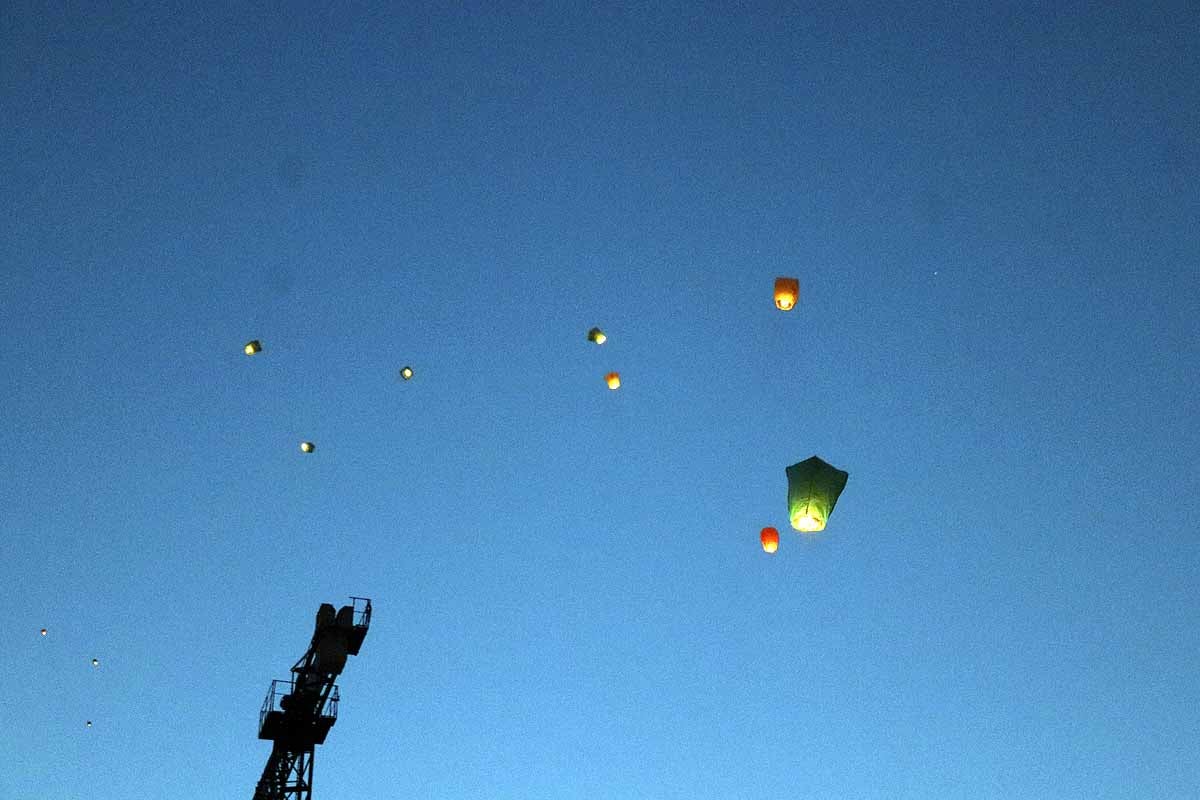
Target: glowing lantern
787, 293
770, 539
613, 380
95, 662
596, 335
43, 631
307, 447
89, 723
813, 490
406, 373
253, 346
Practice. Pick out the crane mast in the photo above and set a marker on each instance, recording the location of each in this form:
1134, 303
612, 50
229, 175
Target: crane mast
298, 712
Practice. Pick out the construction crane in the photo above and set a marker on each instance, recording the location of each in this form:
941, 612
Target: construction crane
298, 713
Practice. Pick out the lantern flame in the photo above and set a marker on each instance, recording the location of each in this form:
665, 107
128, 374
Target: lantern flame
807, 523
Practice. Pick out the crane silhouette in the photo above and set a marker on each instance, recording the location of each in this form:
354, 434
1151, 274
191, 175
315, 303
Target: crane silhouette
298, 712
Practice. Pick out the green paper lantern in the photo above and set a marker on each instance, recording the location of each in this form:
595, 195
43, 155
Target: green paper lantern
813, 491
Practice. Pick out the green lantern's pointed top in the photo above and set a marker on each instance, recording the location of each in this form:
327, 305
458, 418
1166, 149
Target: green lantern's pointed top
813, 490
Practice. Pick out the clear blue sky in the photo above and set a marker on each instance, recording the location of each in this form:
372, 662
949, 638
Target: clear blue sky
993, 216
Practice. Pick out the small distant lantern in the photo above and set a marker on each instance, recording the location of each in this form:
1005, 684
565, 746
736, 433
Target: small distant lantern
43, 631
406, 373
307, 447
597, 336
770, 540
95, 662
613, 379
253, 346
787, 293
813, 490
89, 723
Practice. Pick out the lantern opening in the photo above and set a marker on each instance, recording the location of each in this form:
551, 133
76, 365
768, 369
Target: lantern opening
807, 523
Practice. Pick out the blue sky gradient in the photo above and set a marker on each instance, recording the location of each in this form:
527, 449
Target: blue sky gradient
992, 213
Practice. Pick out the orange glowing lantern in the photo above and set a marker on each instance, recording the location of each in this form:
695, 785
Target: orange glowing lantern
770, 540
613, 379
253, 346
787, 293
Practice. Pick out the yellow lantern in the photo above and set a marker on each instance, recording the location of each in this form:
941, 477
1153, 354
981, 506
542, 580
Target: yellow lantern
406, 373
787, 293
597, 336
307, 447
253, 346
613, 380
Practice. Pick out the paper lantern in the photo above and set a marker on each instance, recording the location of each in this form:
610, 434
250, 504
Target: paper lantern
770, 540
787, 293
406, 373
96, 662
813, 490
307, 447
597, 336
613, 380
43, 631
253, 346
